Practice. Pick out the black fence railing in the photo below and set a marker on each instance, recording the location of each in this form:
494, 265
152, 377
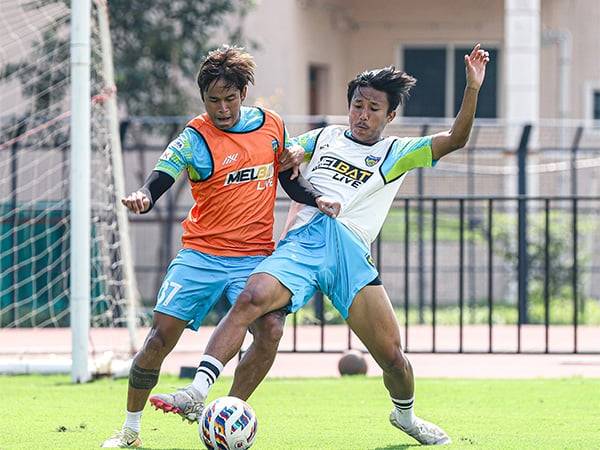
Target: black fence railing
474, 259
466, 275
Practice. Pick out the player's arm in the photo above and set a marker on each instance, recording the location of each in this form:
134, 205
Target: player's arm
142, 200
291, 156
172, 162
457, 137
298, 188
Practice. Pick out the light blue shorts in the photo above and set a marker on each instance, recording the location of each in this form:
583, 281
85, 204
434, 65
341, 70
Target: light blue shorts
321, 255
195, 281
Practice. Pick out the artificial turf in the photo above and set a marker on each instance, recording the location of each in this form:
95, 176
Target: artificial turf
42, 412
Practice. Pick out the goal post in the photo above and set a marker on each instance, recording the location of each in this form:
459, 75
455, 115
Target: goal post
80, 241
65, 250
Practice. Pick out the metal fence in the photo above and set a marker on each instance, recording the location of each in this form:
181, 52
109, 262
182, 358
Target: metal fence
495, 250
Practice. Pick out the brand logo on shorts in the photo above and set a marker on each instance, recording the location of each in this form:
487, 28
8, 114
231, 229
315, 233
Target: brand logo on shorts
371, 160
370, 260
275, 145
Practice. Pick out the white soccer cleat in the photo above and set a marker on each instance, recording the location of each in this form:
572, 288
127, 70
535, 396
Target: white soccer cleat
183, 402
425, 432
125, 438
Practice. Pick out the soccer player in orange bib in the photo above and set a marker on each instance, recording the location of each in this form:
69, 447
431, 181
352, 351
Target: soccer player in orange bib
232, 155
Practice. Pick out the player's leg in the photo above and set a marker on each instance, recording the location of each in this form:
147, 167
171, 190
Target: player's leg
184, 298
266, 334
372, 319
371, 306
161, 340
291, 268
263, 293
143, 376
258, 359
188, 402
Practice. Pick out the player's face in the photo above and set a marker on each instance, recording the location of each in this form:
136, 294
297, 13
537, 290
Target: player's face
368, 114
223, 103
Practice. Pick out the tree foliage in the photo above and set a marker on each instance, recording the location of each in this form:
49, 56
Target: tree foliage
157, 48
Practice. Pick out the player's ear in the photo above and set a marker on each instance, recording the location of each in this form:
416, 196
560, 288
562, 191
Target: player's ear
244, 92
391, 116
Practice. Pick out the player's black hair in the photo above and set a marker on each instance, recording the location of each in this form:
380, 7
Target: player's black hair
232, 64
395, 83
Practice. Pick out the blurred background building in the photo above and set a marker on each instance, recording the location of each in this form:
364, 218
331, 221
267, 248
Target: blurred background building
541, 64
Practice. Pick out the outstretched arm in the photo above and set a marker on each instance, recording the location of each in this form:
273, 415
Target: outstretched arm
457, 137
142, 200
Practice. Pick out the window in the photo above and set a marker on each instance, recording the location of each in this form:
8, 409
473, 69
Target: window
428, 97
596, 105
440, 74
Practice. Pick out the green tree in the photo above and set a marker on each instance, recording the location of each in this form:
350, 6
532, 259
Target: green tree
157, 49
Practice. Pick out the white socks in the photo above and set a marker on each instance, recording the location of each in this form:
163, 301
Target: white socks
405, 411
133, 420
208, 371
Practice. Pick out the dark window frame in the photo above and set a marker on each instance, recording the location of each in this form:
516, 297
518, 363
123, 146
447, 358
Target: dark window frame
453, 95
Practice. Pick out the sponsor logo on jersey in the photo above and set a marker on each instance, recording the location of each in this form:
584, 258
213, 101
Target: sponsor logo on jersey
344, 172
230, 159
263, 175
166, 155
321, 147
371, 160
275, 145
179, 143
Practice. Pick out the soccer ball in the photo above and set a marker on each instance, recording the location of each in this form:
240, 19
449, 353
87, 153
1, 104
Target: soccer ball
228, 423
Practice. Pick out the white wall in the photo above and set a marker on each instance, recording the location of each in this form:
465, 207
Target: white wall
291, 35
582, 19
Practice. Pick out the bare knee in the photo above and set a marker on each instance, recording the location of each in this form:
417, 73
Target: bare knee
252, 303
393, 360
268, 330
155, 347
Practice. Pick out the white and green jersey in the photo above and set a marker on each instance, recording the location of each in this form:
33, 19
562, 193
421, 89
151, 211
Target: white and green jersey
363, 178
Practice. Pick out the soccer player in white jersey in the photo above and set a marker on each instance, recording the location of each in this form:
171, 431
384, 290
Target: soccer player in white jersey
362, 171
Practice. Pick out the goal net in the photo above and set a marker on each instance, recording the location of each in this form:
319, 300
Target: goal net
35, 175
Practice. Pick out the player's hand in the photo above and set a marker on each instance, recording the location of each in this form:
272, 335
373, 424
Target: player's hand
291, 158
475, 66
137, 202
328, 206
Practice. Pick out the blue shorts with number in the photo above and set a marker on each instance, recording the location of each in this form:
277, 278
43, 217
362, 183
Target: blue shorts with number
195, 281
321, 255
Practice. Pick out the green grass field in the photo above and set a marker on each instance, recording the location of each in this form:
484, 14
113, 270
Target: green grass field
350, 413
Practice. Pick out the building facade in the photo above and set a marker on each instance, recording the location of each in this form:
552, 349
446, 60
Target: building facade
543, 63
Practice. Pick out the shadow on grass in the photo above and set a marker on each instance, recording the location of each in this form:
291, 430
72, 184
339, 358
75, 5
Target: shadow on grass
397, 447
172, 448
